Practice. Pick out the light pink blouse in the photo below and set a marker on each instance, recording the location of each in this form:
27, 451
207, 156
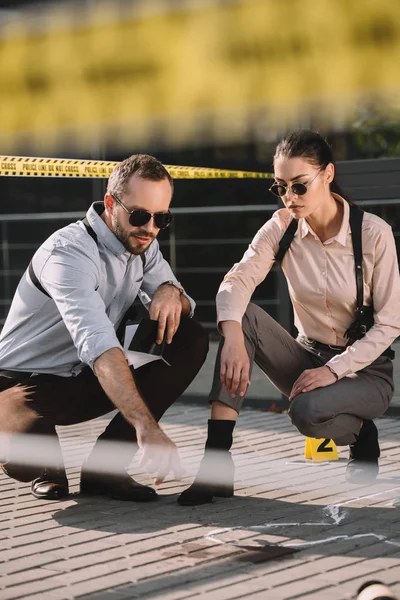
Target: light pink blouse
322, 284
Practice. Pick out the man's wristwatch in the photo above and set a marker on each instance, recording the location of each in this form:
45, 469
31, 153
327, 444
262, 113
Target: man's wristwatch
175, 285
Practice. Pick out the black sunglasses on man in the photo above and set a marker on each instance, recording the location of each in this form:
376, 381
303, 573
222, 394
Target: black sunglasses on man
139, 216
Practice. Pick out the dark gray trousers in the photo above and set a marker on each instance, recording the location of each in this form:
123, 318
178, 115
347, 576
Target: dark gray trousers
37, 404
335, 411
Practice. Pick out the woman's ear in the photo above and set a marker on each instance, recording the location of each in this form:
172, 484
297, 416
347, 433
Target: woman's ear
329, 173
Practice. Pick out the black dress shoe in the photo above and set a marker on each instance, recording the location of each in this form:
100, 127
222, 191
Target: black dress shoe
119, 486
206, 485
363, 466
52, 485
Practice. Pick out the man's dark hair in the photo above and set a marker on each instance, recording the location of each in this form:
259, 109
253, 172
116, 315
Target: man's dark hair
147, 167
312, 147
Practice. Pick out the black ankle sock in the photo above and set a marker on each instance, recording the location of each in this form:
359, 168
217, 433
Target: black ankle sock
220, 434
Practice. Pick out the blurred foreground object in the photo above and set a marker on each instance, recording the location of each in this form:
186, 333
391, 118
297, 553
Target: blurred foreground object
143, 72
375, 590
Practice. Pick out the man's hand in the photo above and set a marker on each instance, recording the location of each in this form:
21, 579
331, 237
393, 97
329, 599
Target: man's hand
116, 379
311, 379
160, 454
166, 308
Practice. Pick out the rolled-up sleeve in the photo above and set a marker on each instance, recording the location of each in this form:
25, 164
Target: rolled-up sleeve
240, 282
156, 271
70, 276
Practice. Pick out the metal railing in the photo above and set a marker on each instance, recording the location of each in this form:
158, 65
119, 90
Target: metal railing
174, 244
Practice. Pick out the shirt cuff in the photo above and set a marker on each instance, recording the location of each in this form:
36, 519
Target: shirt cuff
339, 365
225, 315
191, 302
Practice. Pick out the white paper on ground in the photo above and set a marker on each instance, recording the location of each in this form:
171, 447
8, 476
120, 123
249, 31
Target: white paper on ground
136, 359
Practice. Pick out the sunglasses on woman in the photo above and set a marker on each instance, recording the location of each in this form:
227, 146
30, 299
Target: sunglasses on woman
298, 189
139, 216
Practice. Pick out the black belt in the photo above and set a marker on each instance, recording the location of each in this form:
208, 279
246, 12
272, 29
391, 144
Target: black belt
318, 345
389, 353
16, 374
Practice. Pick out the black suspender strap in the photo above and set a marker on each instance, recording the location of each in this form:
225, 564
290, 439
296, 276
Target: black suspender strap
364, 318
90, 230
286, 240
93, 235
356, 219
36, 281
32, 273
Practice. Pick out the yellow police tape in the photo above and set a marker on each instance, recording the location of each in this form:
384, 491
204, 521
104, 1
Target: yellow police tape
17, 166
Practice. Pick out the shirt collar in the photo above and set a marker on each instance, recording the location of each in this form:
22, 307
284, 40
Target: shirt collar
341, 236
102, 230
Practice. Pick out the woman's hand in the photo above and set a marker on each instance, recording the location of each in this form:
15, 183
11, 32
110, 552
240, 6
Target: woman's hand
235, 363
311, 379
235, 368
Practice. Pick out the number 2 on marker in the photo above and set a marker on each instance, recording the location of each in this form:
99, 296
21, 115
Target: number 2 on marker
323, 447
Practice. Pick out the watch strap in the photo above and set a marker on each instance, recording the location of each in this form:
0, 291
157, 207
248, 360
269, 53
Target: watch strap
175, 285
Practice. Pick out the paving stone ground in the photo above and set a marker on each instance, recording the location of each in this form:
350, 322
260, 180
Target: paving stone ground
293, 529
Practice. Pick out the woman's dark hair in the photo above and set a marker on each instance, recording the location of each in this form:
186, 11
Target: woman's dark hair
312, 147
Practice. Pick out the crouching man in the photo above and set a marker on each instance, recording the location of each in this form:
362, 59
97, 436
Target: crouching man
61, 361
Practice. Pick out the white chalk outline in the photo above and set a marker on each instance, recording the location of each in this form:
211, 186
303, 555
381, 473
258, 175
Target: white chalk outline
331, 510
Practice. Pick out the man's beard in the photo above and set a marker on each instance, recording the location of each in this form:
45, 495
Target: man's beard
127, 239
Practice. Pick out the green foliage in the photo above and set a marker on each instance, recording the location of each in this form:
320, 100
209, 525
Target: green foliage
376, 134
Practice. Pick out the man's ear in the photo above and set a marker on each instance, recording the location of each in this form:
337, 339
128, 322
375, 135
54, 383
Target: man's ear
108, 202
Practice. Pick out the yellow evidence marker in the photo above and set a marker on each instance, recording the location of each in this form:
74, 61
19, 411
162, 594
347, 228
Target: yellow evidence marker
320, 449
